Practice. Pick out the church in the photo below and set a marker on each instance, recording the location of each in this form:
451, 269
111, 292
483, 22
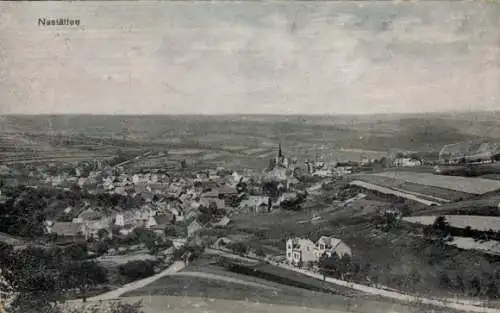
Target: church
283, 162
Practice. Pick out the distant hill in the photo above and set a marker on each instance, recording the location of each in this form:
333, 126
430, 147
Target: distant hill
378, 132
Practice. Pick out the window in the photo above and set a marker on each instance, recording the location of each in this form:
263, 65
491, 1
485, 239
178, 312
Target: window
289, 254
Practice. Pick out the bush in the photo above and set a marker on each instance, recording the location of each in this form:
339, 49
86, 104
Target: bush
260, 252
114, 307
134, 270
239, 248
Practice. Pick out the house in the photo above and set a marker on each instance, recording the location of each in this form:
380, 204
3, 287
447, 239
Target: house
220, 192
193, 228
151, 222
128, 229
329, 246
91, 228
291, 182
191, 215
88, 214
223, 222
255, 204
178, 214
202, 176
300, 251
407, 162
163, 219
287, 196
124, 218
178, 242
219, 203
66, 229
143, 216
221, 243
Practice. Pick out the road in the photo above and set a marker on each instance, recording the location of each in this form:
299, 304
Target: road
457, 304
114, 294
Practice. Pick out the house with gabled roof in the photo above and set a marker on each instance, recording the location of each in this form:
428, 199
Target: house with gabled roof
255, 204
300, 251
330, 246
193, 228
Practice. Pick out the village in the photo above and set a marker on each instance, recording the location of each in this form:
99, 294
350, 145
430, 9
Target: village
136, 219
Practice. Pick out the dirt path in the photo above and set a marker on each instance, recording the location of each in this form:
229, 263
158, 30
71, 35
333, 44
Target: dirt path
114, 294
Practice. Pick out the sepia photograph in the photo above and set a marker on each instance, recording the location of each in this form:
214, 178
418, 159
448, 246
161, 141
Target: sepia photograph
249, 156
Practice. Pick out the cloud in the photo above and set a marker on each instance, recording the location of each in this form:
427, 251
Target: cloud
244, 58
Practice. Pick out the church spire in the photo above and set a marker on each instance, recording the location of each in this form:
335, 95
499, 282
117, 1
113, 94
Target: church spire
279, 151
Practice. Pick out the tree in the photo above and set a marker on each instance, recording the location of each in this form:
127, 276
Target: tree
170, 231
441, 223
329, 265
241, 186
204, 218
270, 189
102, 234
113, 307
134, 270
76, 251
83, 275
260, 252
8, 294
239, 248
444, 280
468, 232
145, 236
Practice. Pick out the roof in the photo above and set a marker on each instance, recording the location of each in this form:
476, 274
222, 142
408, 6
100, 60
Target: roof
223, 222
163, 219
297, 241
90, 214
206, 202
65, 229
255, 200
330, 242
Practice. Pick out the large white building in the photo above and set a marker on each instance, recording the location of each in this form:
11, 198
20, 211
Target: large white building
300, 251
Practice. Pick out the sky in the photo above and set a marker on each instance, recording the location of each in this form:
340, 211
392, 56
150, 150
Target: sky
250, 57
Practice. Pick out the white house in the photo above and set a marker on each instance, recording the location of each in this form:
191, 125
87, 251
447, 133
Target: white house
193, 228
256, 204
299, 251
151, 222
407, 162
331, 246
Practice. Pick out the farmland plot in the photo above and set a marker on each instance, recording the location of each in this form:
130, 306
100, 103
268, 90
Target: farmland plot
470, 185
396, 193
440, 194
461, 221
490, 247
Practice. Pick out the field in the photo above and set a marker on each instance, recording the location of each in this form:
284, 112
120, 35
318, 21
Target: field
400, 258
397, 193
11, 240
471, 185
461, 221
122, 259
204, 280
432, 193
484, 205
491, 246
252, 139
